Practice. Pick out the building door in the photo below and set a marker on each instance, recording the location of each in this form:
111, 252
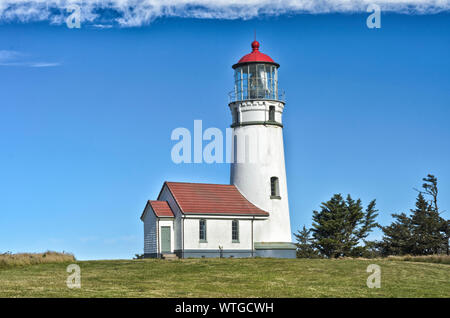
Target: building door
165, 239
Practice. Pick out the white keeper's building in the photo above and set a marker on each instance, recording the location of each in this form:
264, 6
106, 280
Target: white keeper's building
250, 216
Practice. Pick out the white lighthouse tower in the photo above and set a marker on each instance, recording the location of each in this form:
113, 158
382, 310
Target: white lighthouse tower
258, 166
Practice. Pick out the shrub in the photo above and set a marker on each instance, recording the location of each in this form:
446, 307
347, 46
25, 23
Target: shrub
22, 259
437, 258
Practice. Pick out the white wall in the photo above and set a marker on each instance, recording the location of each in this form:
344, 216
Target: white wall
254, 110
218, 233
251, 175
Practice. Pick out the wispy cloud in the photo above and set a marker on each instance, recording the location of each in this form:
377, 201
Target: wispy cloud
139, 12
14, 58
6, 55
44, 64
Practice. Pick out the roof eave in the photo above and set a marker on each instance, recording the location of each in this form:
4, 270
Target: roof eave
145, 209
254, 62
227, 214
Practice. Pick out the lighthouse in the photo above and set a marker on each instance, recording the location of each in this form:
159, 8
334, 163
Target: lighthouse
258, 165
250, 216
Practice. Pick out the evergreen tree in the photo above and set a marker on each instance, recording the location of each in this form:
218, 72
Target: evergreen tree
397, 237
446, 228
368, 223
341, 225
428, 229
304, 244
435, 224
430, 188
422, 232
425, 232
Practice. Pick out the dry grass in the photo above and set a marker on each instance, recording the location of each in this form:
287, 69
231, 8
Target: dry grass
21, 259
439, 259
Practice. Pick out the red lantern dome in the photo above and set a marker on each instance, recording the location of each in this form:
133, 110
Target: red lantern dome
255, 57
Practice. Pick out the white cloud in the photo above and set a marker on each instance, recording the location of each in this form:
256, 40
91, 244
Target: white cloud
139, 12
44, 64
9, 57
14, 58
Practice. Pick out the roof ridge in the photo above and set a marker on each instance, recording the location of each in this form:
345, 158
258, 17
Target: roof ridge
216, 184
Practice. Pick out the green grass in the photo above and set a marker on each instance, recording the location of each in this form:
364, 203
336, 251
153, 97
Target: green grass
228, 278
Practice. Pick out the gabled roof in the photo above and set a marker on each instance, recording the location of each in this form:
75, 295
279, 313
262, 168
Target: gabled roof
206, 198
160, 208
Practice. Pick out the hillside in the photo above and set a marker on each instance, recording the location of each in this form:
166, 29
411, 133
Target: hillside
228, 278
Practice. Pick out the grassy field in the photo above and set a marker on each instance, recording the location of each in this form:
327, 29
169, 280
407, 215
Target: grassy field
228, 278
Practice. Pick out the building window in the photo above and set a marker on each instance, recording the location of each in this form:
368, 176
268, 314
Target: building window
236, 116
272, 113
202, 230
235, 231
274, 188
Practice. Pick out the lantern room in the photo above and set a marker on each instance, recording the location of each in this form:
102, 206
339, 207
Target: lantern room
255, 77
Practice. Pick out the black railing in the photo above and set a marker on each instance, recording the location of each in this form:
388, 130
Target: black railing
256, 94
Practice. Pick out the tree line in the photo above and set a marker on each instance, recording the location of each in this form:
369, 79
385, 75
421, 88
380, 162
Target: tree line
341, 226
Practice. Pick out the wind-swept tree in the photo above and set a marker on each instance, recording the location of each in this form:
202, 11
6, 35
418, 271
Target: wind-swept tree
427, 228
424, 232
431, 189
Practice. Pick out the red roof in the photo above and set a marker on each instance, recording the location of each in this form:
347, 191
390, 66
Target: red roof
161, 208
204, 198
255, 56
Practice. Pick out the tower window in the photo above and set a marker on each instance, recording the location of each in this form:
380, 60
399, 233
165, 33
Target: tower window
272, 113
202, 230
274, 188
235, 231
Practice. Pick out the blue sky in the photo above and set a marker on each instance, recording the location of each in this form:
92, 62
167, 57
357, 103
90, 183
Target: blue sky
86, 117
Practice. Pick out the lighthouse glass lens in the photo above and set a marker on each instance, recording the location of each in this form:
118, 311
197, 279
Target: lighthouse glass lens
252, 81
272, 82
255, 81
262, 81
245, 81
